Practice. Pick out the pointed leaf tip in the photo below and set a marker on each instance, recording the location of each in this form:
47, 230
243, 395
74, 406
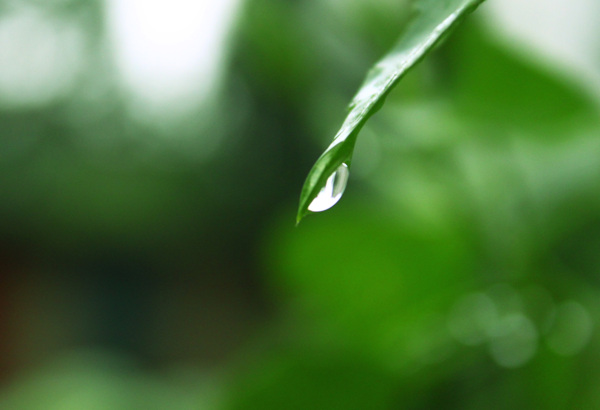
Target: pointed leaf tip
433, 21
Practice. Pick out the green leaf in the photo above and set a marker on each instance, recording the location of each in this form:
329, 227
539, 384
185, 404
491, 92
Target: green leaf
434, 19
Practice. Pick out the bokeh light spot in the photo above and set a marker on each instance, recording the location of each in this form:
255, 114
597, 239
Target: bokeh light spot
515, 342
571, 329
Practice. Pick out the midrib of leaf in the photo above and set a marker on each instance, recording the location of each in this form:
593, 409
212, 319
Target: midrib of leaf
433, 20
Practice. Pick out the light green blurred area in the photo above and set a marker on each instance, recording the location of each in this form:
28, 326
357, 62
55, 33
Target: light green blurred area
153, 262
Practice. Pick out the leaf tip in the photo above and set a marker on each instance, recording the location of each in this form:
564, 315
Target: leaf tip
301, 214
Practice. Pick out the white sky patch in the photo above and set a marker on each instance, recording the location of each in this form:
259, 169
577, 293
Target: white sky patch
40, 57
170, 53
565, 32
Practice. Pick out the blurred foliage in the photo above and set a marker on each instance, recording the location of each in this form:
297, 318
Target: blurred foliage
144, 269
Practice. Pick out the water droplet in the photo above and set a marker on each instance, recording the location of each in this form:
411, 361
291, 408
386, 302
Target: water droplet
331, 193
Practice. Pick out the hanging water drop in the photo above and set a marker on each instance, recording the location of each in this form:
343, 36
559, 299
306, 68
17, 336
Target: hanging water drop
331, 193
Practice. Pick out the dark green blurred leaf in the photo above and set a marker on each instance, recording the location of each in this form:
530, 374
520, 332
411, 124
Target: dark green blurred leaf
434, 21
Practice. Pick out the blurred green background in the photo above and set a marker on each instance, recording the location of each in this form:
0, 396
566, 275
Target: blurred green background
151, 158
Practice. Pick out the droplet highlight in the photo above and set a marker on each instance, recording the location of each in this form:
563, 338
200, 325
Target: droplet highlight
331, 193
